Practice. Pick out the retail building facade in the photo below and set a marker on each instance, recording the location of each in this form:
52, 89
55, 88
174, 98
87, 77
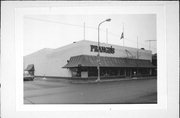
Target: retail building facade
79, 59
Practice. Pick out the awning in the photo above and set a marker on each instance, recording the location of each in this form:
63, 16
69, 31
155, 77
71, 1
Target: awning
30, 67
91, 61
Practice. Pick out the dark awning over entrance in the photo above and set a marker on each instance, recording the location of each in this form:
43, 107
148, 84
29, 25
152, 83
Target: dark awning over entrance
91, 61
30, 67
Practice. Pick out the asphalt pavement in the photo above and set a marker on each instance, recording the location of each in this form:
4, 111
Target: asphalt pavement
57, 91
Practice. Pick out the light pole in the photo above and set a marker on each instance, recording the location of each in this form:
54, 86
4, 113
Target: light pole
98, 56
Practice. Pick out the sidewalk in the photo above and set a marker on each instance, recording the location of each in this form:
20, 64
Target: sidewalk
110, 80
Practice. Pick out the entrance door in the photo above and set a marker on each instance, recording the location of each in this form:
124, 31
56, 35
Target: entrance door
128, 72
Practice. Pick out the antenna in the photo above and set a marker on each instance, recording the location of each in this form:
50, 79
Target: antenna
137, 49
84, 30
123, 34
107, 35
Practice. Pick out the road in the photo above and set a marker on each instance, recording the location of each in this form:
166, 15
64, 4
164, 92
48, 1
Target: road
118, 92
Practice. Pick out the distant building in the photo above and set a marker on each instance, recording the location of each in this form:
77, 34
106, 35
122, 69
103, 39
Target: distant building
79, 59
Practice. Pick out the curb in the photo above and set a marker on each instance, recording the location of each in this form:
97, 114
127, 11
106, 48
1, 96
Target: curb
112, 80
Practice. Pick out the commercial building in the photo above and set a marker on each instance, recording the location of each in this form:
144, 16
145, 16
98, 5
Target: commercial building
79, 59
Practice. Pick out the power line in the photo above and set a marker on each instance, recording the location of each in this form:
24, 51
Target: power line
85, 26
81, 26
52, 21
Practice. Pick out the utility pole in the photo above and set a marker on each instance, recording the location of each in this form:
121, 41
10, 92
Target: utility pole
98, 56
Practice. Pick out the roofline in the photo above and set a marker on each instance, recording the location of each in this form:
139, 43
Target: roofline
109, 57
68, 45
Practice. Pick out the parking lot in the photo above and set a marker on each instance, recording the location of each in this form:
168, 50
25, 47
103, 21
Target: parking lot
58, 91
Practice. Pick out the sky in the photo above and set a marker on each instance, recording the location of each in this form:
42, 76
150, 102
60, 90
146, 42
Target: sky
54, 31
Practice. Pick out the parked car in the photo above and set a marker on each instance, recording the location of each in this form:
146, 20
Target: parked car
28, 77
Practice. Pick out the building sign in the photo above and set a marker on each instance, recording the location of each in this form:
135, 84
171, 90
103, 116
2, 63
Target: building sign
102, 49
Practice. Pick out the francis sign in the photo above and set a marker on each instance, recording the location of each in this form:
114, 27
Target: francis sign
102, 49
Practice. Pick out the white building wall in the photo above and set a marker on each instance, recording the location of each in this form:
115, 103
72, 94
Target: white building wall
49, 62
119, 51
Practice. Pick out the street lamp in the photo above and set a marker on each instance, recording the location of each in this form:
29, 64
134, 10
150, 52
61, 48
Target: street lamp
98, 56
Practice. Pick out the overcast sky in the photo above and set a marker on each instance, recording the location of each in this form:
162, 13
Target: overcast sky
55, 31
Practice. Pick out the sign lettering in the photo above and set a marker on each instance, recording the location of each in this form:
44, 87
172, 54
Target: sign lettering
102, 49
